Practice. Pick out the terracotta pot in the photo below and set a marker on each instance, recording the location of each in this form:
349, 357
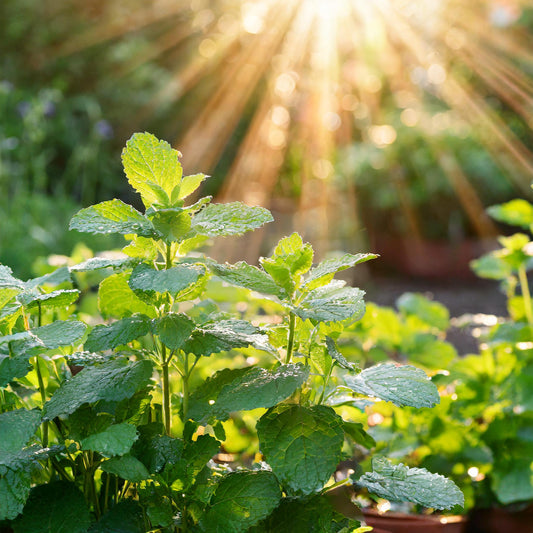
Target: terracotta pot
501, 521
406, 523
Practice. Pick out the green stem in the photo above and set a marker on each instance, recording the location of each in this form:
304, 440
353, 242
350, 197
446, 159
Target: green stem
290, 343
42, 390
186, 374
522, 276
166, 396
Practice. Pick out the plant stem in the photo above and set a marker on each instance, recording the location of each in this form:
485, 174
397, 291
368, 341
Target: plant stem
42, 390
526, 295
166, 394
290, 343
186, 373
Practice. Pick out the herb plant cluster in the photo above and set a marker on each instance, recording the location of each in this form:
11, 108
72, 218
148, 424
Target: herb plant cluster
105, 426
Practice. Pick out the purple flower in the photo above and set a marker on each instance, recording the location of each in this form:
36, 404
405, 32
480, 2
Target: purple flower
104, 129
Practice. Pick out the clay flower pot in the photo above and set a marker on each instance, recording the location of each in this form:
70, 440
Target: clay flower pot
500, 520
408, 523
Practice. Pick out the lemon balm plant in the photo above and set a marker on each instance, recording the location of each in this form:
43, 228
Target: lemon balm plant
113, 448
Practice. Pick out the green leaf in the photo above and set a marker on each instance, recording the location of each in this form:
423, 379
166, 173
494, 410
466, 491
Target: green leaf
59, 333
58, 276
323, 272
34, 300
121, 332
514, 483
127, 467
125, 517
432, 313
141, 248
115, 440
152, 168
240, 501
6, 295
157, 451
189, 184
15, 485
303, 445
172, 223
249, 277
116, 299
335, 354
113, 216
16, 429
8, 281
417, 485
224, 335
332, 303
97, 263
58, 507
113, 382
314, 515
517, 212
174, 280
236, 218
13, 367
291, 259
491, 266
244, 389
357, 432
399, 384
174, 329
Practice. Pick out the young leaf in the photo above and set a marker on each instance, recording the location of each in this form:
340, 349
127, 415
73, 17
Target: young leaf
189, 184
417, 485
58, 506
127, 467
332, 303
249, 277
121, 332
115, 440
113, 382
399, 384
116, 299
152, 168
491, 266
173, 329
113, 216
244, 389
174, 280
172, 223
240, 501
303, 445
291, 259
224, 335
324, 272
236, 218
517, 212
335, 354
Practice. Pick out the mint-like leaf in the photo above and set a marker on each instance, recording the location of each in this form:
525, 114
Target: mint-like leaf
240, 501
173, 329
249, 277
113, 382
174, 280
517, 212
127, 467
224, 335
417, 485
16, 429
104, 337
152, 168
399, 384
235, 218
244, 389
116, 299
115, 440
62, 298
112, 216
97, 263
303, 445
332, 303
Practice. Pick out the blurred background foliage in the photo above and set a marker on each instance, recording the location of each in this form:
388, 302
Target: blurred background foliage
380, 126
